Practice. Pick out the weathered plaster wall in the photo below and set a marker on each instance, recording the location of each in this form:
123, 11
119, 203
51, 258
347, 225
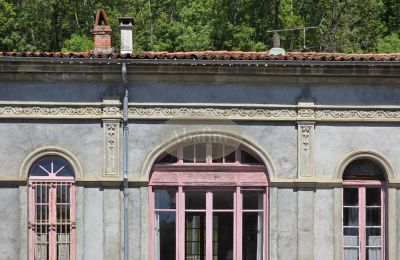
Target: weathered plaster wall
50, 92
264, 93
268, 93
278, 140
334, 141
84, 139
9, 224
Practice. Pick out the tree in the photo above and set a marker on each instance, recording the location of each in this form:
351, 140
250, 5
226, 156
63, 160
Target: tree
389, 44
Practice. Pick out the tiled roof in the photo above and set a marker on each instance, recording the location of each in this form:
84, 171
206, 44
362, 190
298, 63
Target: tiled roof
215, 55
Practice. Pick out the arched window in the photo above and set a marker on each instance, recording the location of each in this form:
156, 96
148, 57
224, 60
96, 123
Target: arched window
209, 201
51, 209
364, 211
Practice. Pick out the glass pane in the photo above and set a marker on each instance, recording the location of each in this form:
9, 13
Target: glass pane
252, 236
350, 216
169, 157
350, 236
63, 193
200, 153
165, 198
229, 152
188, 153
222, 235
195, 235
63, 242
41, 167
195, 199
164, 238
217, 153
245, 157
350, 254
51, 164
63, 213
373, 254
373, 237
350, 197
61, 167
223, 199
41, 242
373, 196
42, 193
252, 199
373, 216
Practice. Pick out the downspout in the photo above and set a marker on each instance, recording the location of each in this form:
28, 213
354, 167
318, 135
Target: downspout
125, 160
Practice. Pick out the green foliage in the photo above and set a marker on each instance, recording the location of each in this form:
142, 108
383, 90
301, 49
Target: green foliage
77, 43
388, 44
195, 25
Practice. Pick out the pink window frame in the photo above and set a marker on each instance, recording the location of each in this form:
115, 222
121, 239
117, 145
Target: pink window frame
209, 176
52, 182
361, 185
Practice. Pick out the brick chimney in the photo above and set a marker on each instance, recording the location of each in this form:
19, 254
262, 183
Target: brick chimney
102, 34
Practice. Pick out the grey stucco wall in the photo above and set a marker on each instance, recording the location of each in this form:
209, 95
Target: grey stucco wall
278, 140
335, 141
271, 93
10, 222
304, 223
20, 138
264, 93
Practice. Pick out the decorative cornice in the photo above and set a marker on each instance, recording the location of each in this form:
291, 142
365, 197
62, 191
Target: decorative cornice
266, 112
167, 111
51, 111
232, 113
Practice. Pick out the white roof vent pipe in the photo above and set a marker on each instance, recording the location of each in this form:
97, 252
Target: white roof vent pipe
126, 27
276, 46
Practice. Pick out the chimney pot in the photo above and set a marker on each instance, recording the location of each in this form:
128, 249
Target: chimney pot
276, 48
126, 27
102, 34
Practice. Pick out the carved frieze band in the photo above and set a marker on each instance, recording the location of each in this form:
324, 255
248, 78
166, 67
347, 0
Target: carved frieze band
204, 111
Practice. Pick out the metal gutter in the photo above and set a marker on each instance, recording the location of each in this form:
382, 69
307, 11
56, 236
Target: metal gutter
198, 62
125, 160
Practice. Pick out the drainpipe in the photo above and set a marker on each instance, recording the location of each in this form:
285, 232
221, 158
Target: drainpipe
125, 160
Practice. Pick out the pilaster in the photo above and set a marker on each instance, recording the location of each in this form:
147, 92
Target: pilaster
305, 135
111, 132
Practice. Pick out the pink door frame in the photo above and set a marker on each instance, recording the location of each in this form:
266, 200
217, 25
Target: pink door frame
208, 179
361, 185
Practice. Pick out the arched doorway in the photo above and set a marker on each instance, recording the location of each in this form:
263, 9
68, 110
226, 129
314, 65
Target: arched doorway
208, 201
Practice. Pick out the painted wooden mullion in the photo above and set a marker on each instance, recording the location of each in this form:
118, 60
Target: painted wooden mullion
362, 222
180, 224
266, 225
32, 226
209, 225
383, 224
72, 202
151, 222
53, 222
239, 223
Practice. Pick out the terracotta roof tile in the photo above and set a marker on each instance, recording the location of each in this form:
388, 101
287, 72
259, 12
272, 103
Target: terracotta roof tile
215, 55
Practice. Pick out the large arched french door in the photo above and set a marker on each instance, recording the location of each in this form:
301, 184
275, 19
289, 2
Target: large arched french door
208, 201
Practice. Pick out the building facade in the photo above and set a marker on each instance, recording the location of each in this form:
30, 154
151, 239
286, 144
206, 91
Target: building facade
231, 155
